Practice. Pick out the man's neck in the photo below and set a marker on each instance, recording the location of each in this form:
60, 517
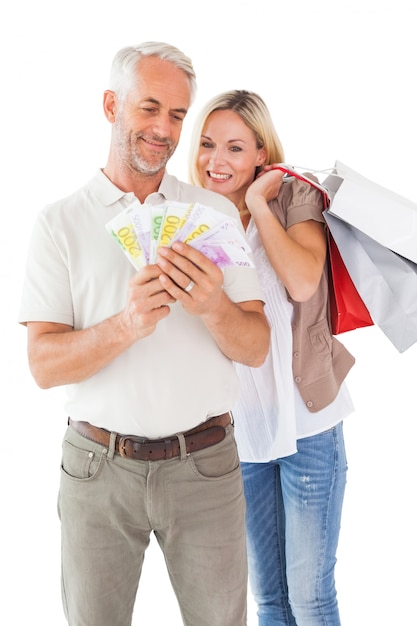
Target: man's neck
141, 184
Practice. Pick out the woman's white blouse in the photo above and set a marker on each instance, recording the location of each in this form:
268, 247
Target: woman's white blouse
270, 414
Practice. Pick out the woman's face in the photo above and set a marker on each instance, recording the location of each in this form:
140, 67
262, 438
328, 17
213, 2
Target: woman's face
228, 156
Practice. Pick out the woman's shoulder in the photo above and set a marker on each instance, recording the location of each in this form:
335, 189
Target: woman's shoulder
298, 192
297, 201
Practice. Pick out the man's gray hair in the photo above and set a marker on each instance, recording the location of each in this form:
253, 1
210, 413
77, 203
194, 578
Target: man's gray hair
122, 72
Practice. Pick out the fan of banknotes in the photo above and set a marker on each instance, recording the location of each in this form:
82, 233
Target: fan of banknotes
141, 229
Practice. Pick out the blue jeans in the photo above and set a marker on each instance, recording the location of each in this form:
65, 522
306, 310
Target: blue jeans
293, 516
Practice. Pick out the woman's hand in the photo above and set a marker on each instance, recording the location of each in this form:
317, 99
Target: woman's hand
264, 189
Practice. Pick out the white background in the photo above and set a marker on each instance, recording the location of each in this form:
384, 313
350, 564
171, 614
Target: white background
339, 78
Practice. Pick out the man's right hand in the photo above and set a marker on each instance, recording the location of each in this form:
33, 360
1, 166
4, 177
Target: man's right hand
58, 354
147, 302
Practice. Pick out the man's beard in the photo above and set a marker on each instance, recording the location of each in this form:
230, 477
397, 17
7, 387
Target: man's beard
143, 166
128, 149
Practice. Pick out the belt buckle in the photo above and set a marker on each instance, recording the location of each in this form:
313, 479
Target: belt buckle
125, 438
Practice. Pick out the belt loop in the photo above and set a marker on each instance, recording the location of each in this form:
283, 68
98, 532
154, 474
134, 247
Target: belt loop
112, 445
183, 446
168, 449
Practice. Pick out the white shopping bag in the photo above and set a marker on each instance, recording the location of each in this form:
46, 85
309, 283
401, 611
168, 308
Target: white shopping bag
386, 281
387, 217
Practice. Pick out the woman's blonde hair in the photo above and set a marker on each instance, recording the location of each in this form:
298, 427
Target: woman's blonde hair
253, 112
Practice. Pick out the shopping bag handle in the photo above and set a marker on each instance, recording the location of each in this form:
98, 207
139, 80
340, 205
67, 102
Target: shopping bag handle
290, 171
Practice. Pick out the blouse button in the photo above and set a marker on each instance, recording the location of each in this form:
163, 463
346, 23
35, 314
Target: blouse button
296, 355
298, 379
309, 404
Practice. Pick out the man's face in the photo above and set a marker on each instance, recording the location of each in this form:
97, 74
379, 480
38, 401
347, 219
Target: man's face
148, 123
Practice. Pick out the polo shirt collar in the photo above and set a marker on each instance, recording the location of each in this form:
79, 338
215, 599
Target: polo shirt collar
108, 193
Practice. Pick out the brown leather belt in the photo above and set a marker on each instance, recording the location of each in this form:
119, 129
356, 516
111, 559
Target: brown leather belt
206, 434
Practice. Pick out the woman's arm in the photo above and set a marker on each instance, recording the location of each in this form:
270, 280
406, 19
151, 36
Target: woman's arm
297, 254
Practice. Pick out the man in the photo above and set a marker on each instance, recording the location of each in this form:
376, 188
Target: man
146, 358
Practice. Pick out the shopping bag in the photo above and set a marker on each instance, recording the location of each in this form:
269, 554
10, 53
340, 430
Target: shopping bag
386, 281
387, 217
347, 309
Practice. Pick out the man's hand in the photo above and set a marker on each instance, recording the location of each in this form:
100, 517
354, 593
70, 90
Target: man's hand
147, 302
191, 278
59, 354
240, 330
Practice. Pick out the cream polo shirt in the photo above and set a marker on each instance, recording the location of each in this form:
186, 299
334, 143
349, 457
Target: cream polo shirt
76, 274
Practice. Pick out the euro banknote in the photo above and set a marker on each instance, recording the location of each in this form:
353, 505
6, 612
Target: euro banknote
141, 229
122, 229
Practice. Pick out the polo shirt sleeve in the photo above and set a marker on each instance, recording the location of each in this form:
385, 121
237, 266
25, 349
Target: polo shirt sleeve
304, 203
242, 284
46, 295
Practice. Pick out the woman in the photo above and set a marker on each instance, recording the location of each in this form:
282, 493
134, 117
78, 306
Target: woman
290, 413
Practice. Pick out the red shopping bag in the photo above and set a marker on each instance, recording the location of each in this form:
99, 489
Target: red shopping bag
347, 309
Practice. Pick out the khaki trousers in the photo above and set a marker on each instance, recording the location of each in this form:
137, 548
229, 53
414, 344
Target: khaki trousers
109, 506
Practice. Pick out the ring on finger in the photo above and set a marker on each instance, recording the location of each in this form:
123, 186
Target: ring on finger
189, 286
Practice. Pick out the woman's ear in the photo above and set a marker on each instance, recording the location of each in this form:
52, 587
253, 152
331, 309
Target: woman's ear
261, 157
110, 105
